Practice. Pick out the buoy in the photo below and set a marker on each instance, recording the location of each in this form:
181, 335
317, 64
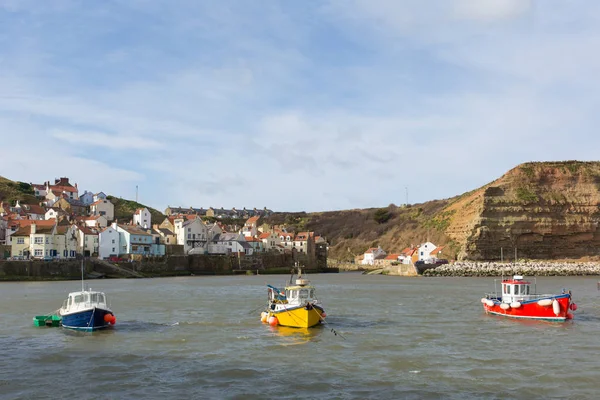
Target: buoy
273, 321
489, 303
107, 317
264, 316
504, 306
515, 304
113, 320
573, 306
556, 307
323, 315
569, 315
545, 302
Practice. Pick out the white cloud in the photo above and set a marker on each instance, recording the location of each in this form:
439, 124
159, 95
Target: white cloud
490, 10
98, 139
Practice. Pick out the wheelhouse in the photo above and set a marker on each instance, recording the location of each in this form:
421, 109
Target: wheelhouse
516, 289
83, 300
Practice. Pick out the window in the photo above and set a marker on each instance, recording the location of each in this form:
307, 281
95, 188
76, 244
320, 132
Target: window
38, 252
47, 240
113, 241
113, 250
20, 240
189, 235
38, 240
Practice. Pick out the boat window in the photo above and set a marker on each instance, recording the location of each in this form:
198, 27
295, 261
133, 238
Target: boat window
78, 298
504, 288
527, 289
517, 289
101, 298
87, 298
303, 293
312, 292
70, 300
94, 297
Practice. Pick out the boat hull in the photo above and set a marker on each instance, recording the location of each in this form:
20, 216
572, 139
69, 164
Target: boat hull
87, 320
532, 310
298, 317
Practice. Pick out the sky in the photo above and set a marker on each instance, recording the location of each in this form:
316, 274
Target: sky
311, 105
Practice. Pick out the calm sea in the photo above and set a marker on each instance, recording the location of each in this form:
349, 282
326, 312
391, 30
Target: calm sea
397, 338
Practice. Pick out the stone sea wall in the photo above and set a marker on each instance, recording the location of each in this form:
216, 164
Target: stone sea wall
549, 268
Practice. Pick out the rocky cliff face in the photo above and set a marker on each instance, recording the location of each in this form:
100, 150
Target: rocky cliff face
543, 210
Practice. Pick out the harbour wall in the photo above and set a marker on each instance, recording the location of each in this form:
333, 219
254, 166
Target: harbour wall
177, 265
549, 268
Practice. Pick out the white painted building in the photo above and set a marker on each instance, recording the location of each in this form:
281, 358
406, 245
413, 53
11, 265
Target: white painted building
228, 243
373, 254
191, 233
142, 218
109, 242
425, 250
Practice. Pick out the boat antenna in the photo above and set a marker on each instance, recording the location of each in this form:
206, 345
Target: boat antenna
82, 288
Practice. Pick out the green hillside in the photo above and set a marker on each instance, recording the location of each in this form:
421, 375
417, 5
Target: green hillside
124, 210
12, 191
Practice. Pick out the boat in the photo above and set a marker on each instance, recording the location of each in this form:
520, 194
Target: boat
86, 310
294, 306
518, 299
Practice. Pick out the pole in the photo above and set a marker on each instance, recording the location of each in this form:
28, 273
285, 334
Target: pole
501, 255
515, 254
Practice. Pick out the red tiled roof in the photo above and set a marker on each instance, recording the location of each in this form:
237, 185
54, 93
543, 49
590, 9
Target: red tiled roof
264, 235
392, 257
252, 220
436, 250
371, 250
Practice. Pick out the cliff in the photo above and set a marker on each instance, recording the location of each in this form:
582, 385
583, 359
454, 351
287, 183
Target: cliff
546, 210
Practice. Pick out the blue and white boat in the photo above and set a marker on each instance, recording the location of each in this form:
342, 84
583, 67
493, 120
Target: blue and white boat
86, 310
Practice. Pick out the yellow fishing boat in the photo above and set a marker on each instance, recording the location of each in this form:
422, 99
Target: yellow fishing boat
295, 306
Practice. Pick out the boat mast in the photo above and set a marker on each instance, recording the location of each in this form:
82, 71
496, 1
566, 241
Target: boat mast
82, 288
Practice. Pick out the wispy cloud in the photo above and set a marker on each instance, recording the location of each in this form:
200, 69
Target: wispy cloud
98, 139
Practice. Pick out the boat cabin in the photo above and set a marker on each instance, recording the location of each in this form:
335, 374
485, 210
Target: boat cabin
83, 300
301, 293
516, 289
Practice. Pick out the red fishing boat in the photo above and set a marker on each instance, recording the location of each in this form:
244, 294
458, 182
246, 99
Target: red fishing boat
518, 299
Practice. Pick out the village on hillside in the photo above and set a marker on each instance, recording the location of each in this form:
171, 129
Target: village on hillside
424, 254
67, 225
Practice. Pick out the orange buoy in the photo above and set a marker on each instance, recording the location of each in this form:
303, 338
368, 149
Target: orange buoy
113, 320
107, 317
323, 315
273, 321
569, 315
264, 316
573, 306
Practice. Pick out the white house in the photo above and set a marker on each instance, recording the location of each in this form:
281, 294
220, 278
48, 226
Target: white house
191, 233
374, 253
103, 207
251, 227
109, 242
134, 240
425, 250
55, 213
270, 240
87, 198
142, 218
228, 243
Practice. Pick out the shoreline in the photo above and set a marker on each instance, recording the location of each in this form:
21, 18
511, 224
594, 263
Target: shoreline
495, 269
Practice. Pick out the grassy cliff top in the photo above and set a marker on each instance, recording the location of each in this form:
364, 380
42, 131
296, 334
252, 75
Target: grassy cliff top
12, 191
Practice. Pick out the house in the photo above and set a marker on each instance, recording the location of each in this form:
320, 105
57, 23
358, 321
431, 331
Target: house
406, 255
270, 241
63, 186
71, 206
88, 241
251, 227
167, 235
30, 211
373, 254
39, 190
103, 207
99, 196
134, 240
230, 243
387, 260
38, 241
93, 221
87, 198
142, 218
425, 250
3, 226
436, 253
256, 244
286, 239
109, 242
304, 243
13, 225
56, 213
191, 233
184, 211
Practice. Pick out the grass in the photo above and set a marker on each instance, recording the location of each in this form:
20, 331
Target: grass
12, 191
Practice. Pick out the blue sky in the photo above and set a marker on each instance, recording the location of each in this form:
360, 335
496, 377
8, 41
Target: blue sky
294, 105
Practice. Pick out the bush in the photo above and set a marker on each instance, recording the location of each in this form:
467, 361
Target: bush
382, 216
